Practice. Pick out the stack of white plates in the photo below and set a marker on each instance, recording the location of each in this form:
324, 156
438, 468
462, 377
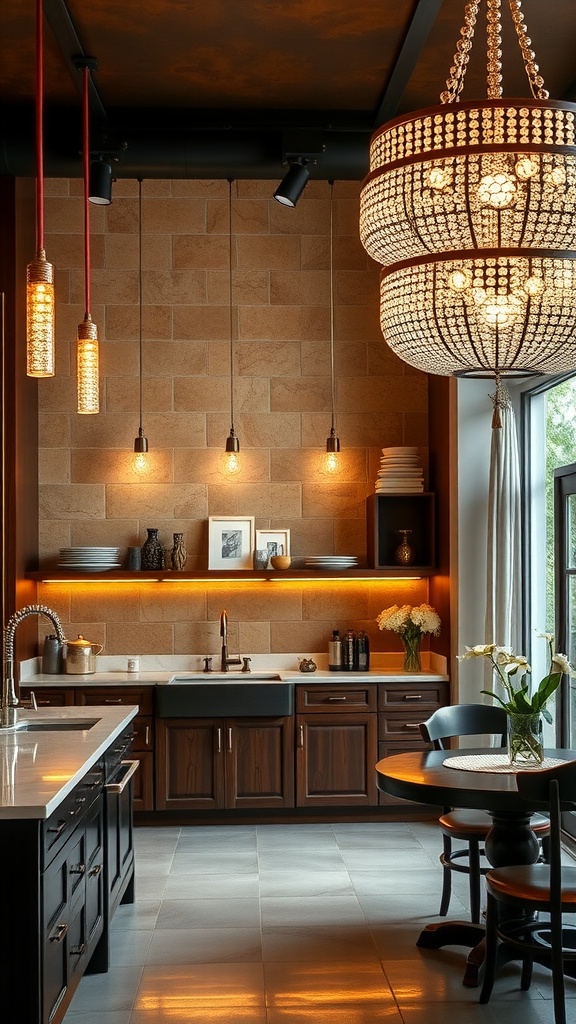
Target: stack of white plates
90, 559
400, 472
331, 562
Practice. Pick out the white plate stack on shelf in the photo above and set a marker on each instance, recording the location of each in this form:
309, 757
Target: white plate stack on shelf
331, 562
400, 472
89, 559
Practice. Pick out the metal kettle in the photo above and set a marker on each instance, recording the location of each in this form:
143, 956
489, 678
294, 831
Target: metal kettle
81, 656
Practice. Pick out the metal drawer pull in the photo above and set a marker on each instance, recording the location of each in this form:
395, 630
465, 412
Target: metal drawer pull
130, 768
59, 934
59, 828
78, 869
411, 725
219, 741
337, 698
413, 696
230, 740
147, 735
113, 700
95, 871
301, 740
77, 950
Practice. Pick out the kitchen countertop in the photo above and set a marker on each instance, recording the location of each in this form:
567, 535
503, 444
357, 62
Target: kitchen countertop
39, 769
162, 677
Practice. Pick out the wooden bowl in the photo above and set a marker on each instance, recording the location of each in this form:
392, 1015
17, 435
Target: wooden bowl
280, 561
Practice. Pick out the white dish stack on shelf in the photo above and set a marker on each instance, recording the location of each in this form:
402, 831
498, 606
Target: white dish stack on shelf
400, 472
331, 562
90, 559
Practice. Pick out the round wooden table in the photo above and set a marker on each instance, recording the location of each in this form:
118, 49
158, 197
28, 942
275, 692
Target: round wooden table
423, 777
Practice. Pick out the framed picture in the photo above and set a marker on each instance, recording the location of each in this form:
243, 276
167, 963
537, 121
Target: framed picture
230, 542
275, 542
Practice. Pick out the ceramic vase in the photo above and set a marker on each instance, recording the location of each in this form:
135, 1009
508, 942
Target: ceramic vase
525, 747
152, 551
178, 554
404, 553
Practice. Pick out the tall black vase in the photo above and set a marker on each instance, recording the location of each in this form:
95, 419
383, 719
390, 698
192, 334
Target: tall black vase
152, 551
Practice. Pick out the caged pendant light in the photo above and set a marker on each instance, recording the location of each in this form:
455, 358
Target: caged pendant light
39, 273
87, 354
140, 442
232, 461
332, 441
471, 210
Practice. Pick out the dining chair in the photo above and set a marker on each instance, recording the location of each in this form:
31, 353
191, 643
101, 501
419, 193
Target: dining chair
467, 826
518, 894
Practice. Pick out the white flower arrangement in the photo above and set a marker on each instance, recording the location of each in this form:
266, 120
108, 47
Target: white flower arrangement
410, 622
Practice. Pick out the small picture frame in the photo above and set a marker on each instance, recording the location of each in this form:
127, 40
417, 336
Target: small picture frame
275, 542
230, 542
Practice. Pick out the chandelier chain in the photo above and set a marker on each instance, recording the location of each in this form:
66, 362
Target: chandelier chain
494, 51
529, 57
455, 83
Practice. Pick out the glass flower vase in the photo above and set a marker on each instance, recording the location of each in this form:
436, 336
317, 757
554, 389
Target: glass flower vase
525, 748
411, 654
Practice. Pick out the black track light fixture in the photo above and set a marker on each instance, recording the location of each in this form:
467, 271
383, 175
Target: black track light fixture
100, 182
294, 182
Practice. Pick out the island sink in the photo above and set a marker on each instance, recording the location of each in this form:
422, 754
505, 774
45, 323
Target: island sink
68, 725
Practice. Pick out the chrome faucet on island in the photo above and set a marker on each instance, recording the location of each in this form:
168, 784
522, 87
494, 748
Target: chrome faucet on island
9, 703
225, 659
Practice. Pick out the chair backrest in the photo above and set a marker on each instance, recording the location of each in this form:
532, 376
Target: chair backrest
464, 720
552, 790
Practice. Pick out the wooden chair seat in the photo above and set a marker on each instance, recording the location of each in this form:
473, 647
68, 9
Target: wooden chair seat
461, 824
530, 883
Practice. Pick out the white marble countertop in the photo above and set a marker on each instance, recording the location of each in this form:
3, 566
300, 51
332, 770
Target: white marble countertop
157, 678
39, 769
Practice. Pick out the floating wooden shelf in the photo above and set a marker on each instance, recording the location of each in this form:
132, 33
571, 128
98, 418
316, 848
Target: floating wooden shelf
58, 575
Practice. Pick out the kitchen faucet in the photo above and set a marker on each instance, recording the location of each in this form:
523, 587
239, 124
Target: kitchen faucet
225, 660
9, 702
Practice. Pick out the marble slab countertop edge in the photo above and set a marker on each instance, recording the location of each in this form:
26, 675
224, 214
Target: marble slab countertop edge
39, 769
162, 678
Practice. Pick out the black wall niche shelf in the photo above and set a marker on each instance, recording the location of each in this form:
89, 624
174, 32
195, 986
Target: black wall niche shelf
215, 575
386, 516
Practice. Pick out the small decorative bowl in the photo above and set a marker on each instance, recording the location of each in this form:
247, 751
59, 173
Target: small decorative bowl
280, 561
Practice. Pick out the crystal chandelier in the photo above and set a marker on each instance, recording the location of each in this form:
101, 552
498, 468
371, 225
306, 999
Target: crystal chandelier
471, 210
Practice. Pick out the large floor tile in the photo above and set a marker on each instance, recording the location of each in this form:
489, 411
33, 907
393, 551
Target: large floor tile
179, 989
361, 1013
305, 883
98, 1017
109, 993
305, 859
314, 944
330, 911
215, 913
395, 881
205, 946
337, 983
192, 1014
216, 886
225, 861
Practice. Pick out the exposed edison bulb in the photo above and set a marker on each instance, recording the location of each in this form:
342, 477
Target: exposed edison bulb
332, 462
497, 190
40, 317
439, 178
459, 280
526, 166
232, 462
140, 463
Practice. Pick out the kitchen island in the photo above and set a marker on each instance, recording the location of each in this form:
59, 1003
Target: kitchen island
60, 853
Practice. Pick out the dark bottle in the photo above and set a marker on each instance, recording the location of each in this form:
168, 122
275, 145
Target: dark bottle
348, 650
362, 659
335, 652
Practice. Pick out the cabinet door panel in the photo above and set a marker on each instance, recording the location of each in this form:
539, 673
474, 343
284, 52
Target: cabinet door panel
259, 762
190, 763
336, 755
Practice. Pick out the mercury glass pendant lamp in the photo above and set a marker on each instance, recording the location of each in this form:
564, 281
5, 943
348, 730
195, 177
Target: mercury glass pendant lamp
232, 448
87, 349
39, 273
470, 208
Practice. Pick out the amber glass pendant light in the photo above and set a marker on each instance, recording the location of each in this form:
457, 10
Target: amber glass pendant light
39, 273
232, 462
332, 461
87, 352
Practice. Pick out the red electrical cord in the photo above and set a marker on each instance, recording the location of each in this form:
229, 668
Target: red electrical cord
86, 162
39, 128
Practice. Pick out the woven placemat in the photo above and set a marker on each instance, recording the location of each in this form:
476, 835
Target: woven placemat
496, 763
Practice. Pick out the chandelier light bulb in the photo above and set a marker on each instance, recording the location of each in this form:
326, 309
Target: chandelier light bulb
501, 310
557, 176
534, 286
526, 167
460, 280
497, 191
439, 178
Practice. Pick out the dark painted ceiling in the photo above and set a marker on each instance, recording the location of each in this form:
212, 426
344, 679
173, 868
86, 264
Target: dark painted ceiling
218, 88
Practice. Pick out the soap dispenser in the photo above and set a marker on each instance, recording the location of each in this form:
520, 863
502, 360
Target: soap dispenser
335, 652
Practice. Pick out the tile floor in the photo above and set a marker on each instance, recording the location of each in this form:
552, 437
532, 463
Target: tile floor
293, 924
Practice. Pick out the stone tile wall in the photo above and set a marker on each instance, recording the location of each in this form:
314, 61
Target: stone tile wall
90, 492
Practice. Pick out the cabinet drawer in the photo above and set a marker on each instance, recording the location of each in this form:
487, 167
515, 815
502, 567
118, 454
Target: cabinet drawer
46, 698
114, 695
401, 727
426, 695
339, 698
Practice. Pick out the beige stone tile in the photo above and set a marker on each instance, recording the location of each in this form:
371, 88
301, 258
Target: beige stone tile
135, 638
267, 359
251, 216
292, 463
350, 538
122, 322
108, 286
57, 187
121, 532
172, 603
114, 430
122, 603
65, 251
207, 465
56, 597
360, 322
311, 536
200, 252
303, 638
295, 394
372, 394
213, 394
382, 360
174, 359
100, 465
250, 287
254, 638
177, 215
156, 253
256, 189
260, 430
121, 251
119, 358
177, 286
304, 287
122, 216
338, 500
63, 215
203, 323
245, 603
54, 429
341, 600
53, 466
268, 252
52, 535
129, 187
350, 359
315, 253
182, 430
309, 217
156, 501
371, 429
58, 394
266, 500
122, 395
315, 358
199, 188
71, 501
200, 638
283, 323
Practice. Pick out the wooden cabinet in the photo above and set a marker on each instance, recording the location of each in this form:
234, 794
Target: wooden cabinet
109, 696
214, 763
336, 745
402, 705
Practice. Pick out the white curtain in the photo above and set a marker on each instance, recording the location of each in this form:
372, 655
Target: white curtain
503, 604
